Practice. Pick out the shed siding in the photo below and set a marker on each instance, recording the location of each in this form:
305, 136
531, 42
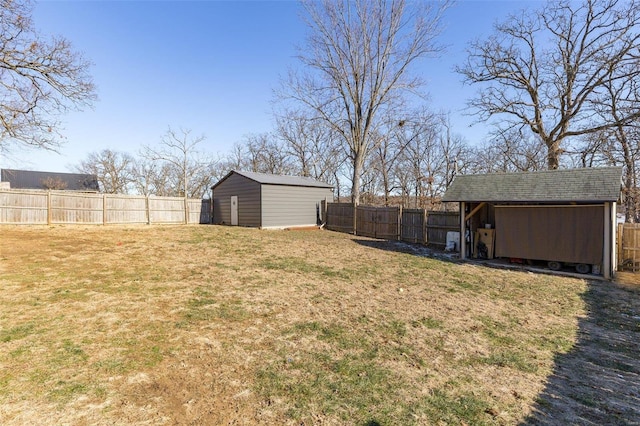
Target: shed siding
572, 234
248, 193
286, 206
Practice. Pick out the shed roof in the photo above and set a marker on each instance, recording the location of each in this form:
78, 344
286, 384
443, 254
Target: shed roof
27, 179
549, 186
269, 179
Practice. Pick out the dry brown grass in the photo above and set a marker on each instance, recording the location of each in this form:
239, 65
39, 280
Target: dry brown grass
219, 325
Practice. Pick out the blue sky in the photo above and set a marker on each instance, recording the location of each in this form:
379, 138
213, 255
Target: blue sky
210, 66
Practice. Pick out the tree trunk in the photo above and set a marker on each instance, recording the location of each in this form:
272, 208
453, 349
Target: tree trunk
385, 182
355, 188
631, 193
553, 154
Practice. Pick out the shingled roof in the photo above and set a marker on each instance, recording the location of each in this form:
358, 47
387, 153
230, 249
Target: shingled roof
269, 179
550, 186
28, 179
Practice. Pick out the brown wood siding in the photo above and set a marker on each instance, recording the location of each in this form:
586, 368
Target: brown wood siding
248, 193
287, 206
573, 234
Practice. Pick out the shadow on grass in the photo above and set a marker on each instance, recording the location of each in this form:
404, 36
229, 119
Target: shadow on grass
598, 381
410, 248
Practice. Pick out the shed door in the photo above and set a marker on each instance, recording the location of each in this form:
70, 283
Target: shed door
234, 210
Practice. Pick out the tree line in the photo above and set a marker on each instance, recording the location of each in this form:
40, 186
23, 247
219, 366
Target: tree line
557, 83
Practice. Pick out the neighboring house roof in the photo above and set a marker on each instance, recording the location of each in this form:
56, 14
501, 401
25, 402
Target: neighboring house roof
265, 178
26, 179
550, 186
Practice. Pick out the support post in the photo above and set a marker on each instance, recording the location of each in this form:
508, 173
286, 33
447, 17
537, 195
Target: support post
614, 236
608, 233
463, 228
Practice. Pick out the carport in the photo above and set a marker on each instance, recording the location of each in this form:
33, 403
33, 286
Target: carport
558, 216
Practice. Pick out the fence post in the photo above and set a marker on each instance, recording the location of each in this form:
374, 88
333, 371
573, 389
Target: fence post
325, 208
147, 208
355, 218
49, 207
425, 227
104, 209
400, 222
619, 244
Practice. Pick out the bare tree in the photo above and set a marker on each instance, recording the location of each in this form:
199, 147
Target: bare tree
190, 169
619, 99
115, 170
420, 158
265, 154
153, 178
358, 57
386, 155
550, 87
455, 155
39, 80
237, 158
311, 145
510, 150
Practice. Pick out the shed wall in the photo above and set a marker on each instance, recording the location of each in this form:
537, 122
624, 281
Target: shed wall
248, 193
286, 206
572, 234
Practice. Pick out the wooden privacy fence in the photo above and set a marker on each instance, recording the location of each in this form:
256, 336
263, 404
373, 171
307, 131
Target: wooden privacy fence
64, 207
378, 222
413, 224
392, 223
629, 247
338, 216
439, 223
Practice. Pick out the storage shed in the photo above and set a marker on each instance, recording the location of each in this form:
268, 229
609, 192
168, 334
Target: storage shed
563, 217
268, 201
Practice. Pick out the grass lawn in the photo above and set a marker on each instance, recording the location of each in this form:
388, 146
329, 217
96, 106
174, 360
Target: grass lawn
220, 325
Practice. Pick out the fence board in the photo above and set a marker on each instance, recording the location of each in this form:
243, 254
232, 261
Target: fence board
413, 226
125, 209
166, 210
386, 223
199, 211
18, 208
339, 217
76, 208
366, 221
65, 207
393, 223
438, 224
629, 247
